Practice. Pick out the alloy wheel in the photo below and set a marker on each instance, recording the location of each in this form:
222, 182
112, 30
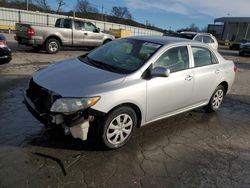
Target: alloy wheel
217, 99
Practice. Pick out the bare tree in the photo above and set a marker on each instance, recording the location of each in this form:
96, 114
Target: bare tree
121, 12
43, 4
193, 27
85, 6
60, 3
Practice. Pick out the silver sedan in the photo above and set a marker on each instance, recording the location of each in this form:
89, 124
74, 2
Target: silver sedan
129, 83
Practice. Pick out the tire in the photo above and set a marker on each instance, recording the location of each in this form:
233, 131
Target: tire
3, 61
52, 46
241, 53
216, 99
113, 130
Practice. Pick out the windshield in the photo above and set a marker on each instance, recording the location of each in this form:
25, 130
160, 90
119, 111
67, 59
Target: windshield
122, 56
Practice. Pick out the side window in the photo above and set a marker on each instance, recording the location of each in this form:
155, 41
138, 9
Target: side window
207, 39
198, 38
175, 59
89, 26
203, 56
67, 23
58, 23
78, 25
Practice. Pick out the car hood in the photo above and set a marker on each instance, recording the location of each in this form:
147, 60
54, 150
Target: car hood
73, 78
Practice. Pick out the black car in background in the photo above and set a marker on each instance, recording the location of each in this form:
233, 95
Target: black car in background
236, 44
244, 49
5, 51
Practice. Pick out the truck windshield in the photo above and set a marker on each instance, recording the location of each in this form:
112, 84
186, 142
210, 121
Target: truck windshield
122, 56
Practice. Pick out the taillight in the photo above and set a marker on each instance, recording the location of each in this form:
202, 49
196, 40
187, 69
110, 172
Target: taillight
235, 68
31, 31
2, 42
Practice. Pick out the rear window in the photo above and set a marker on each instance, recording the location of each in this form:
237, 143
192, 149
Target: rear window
63, 23
58, 23
67, 23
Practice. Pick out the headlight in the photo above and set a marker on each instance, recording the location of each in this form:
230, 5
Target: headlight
69, 105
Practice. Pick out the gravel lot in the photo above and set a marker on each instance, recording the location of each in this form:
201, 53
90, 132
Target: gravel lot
193, 149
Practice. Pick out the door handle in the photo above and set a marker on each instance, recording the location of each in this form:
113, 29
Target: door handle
85, 33
189, 78
217, 71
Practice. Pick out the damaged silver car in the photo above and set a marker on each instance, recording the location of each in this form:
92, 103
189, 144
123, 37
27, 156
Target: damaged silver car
128, 83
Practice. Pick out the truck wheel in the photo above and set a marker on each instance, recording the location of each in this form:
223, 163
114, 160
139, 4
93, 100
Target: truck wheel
52, 46
118, 127
216, 99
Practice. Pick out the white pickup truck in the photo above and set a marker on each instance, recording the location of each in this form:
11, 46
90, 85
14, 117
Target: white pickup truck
67, 32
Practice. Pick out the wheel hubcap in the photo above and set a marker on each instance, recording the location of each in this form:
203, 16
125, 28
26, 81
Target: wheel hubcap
119, 129
53, 46
218, 97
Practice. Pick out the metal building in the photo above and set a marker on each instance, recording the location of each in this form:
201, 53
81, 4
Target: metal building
234, 28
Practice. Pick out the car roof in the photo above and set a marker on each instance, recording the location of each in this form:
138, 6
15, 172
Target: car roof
163, 40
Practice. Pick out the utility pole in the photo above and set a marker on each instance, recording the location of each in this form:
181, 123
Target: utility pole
27, 4
102, 12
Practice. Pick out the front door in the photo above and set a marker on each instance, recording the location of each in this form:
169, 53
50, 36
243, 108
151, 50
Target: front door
92, 37
169, 94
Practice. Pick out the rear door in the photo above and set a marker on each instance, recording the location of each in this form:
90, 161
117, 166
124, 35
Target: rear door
207, 73
169, 94
78, 33
64, 27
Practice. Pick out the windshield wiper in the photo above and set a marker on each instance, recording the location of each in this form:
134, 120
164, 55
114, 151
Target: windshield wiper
102, 65
106, 66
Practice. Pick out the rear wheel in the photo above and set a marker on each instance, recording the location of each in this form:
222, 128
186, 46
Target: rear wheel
3, 61
52, 46
118, 127
216, 99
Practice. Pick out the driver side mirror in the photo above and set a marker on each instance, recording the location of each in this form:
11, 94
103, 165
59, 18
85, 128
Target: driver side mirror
97, 30
160, 72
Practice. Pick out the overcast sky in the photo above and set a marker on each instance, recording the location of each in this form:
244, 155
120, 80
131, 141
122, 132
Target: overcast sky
176, 13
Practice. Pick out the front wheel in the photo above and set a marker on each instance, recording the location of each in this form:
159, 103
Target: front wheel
216, 99
118, 127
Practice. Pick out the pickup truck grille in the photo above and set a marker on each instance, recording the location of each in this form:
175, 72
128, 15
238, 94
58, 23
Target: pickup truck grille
41, 97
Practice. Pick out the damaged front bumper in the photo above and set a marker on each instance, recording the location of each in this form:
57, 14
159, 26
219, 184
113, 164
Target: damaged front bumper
76, 124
